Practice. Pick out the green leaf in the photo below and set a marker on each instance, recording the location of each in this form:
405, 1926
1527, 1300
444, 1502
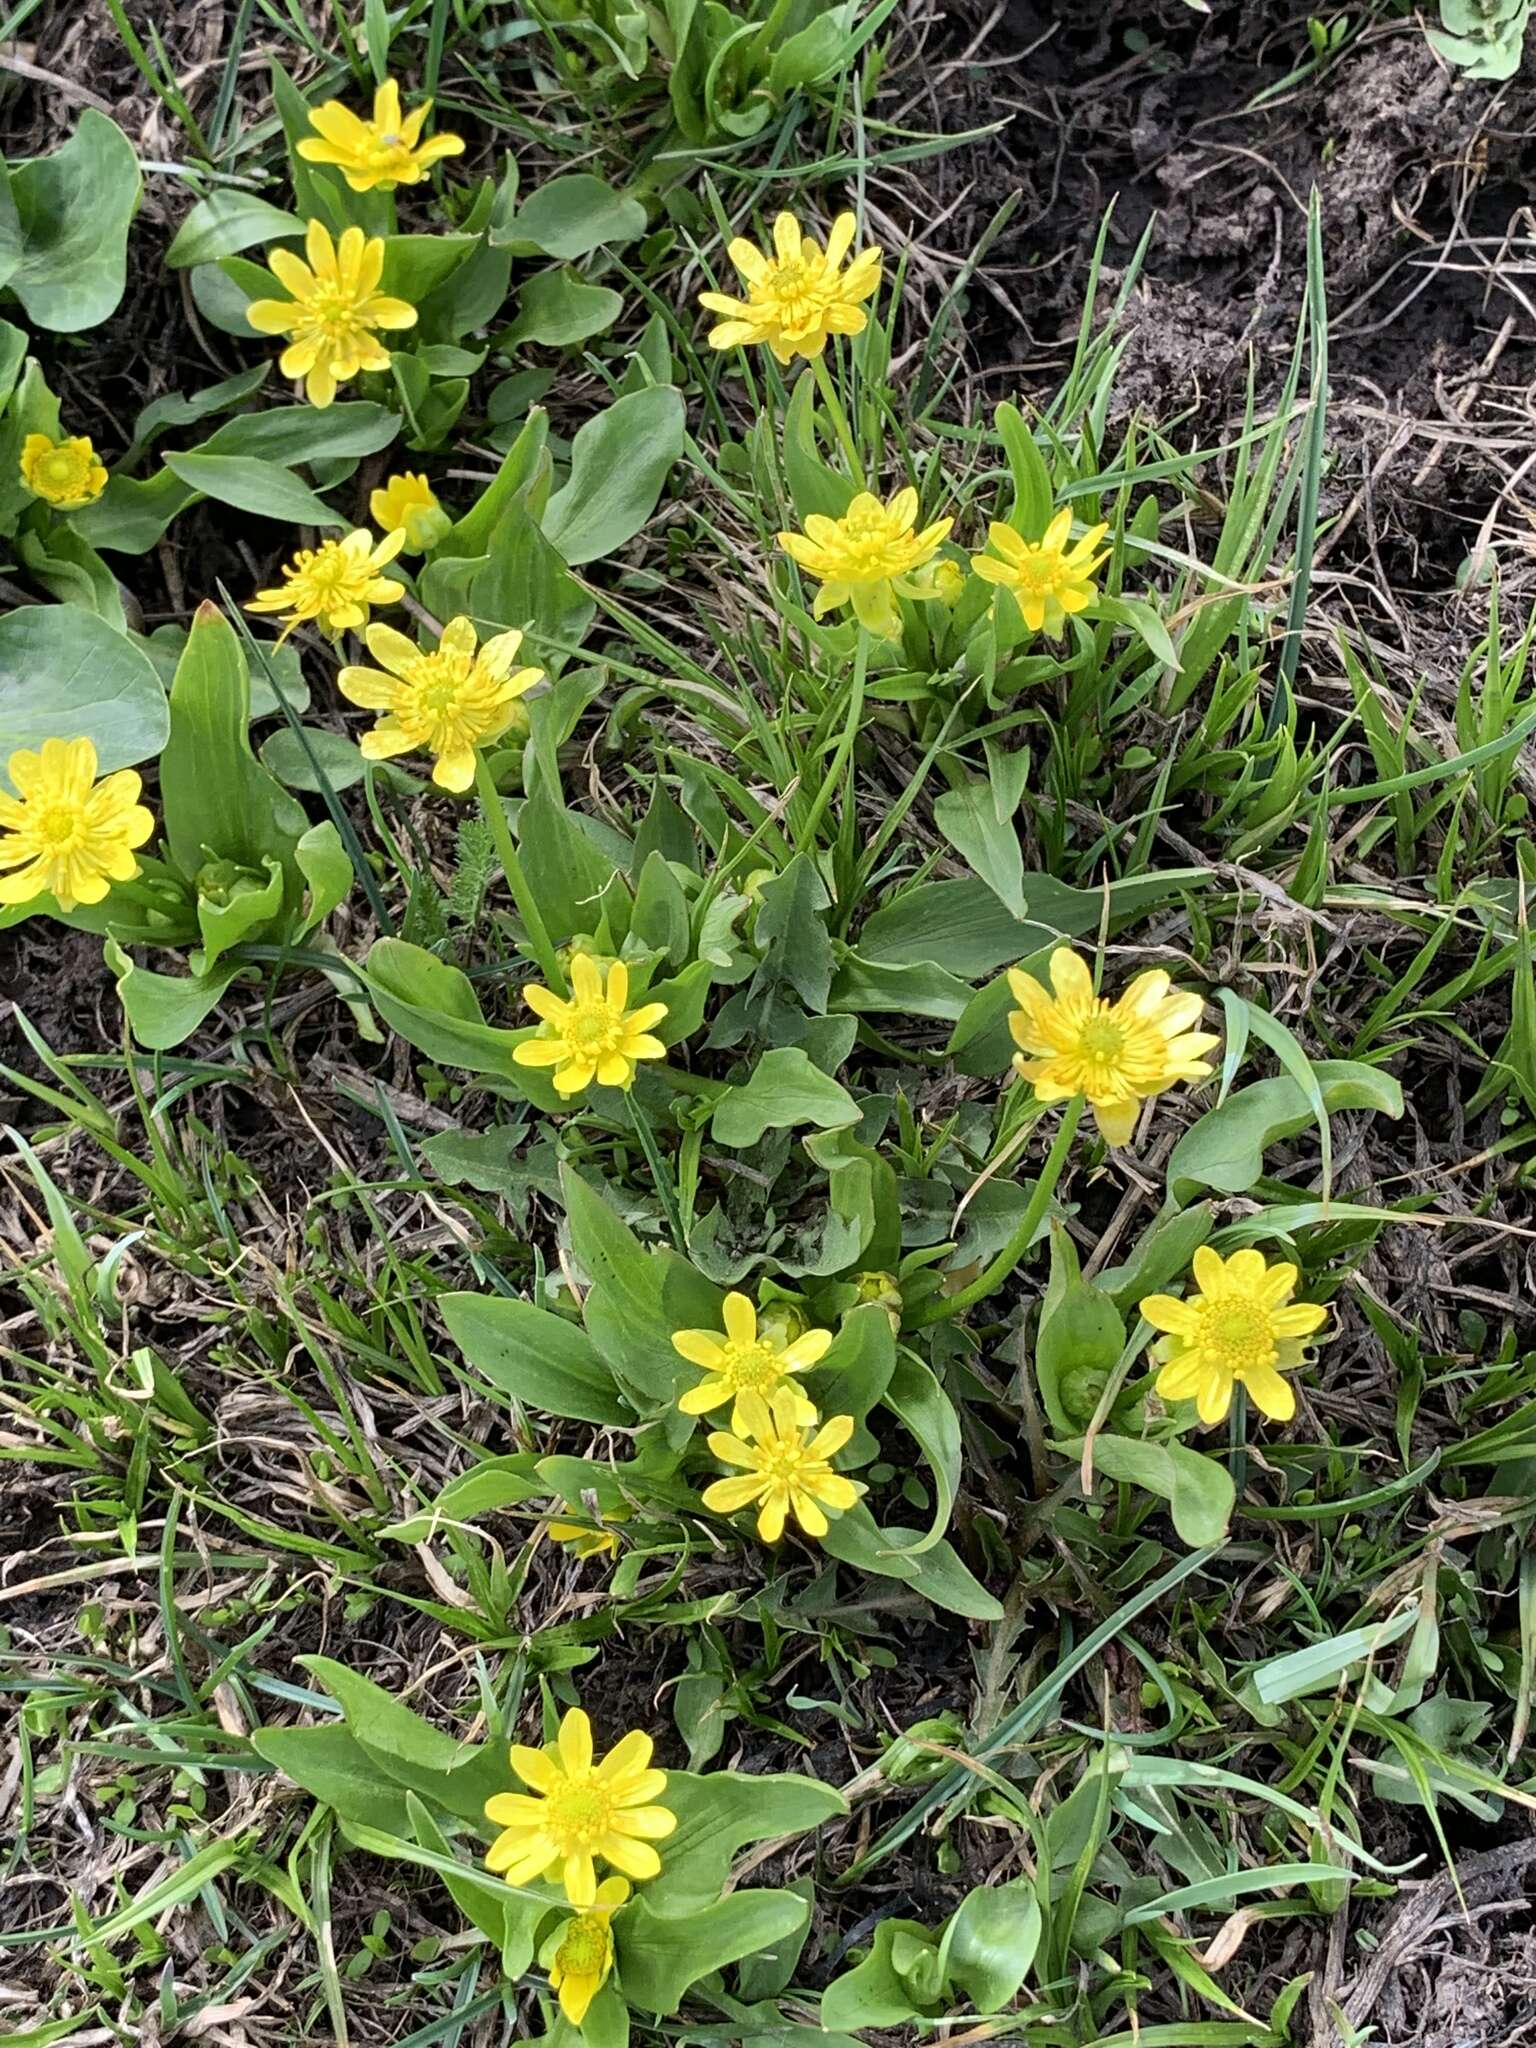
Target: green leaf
331, 1765
1079, 1341
863, 1194
434, 1007
224, 222
571, 216
1225, 1149
536, 1357
785, 1090
990, 1943
220, 804
65, 674
791, 930
874, 1993
165, 1009
858, 1365
508, 1919
916, 1397
1033, 496
64, 228
619, 462
718, 1814
487, 1488
660, 1955
557, 309
458, 1776
981, 830
936, 1572
1199, 1492
251, 485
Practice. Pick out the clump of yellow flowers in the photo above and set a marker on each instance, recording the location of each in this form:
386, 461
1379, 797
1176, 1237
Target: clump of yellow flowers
64, 473
444, 701
867, 558
333, 311
334, 585
1238, 1327
381, 152
1116, 1055
63, 833
798, 296
592, 1035
579, 1811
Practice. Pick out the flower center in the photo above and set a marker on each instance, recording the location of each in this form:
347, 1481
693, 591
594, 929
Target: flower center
580, 1810
592, 1028
1238, 1333
57, 828
752, 1368
784, 1460
585, 1946
60, 470
1041, 572
794, 292
1102, 1040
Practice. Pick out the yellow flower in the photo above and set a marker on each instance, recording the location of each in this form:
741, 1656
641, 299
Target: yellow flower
1049, 577
445, 702
585, 1541
1240, 1327
335, 583
746, 1362
580, 1955
64, 473
593, 1037
334, 304
788, 1467
407, 504
866, 557
385, 151
580, 1810
799, 295
68, 835
1116, 1054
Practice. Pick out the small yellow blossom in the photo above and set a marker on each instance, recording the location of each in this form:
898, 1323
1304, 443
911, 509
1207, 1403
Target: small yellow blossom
386, 150
407, 504
445, 701
867, 557
946, 581
745, 1362
788, 1466
579, 1955
798, 296
66, 834
65, 474
1239, 1328
585, 1541
1049, 577
580, 1810
334, 584
592, 1037
1115, 1054
333, 307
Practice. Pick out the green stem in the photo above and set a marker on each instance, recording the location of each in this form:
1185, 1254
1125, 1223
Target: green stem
506, 852
949, 1305
839, 418
659, 1173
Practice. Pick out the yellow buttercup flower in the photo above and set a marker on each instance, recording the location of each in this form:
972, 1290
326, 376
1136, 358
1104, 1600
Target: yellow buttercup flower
334, 584
333, 308
593, 1037
1049, 577
1115, 1054
66, 834
579, 1811
444, 702
1239, 1328
798, 296
579, 1956
584, 1541
407, 504
867, 557
386, 150
746, 1361
788, 1467
65, 474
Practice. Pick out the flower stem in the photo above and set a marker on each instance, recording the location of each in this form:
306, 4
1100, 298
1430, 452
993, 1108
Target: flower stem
988, 1283
665, 1191
506, 852
838, 417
